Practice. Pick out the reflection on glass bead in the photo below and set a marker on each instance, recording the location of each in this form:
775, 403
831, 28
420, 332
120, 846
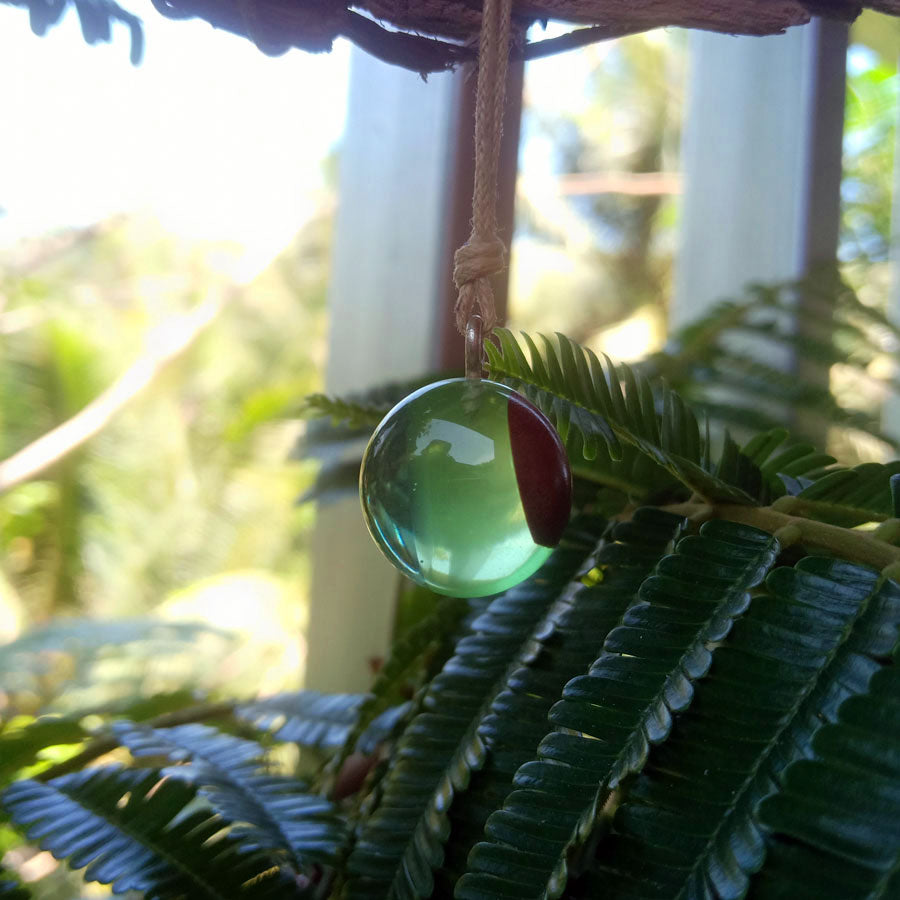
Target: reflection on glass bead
466, 487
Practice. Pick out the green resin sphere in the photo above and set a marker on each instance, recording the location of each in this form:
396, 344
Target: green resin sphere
466, 487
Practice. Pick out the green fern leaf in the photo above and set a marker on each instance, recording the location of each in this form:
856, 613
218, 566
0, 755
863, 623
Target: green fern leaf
608, 720
632, 473
348, 412
401, 843
756, 384
273, 813
617, 405
825, 842
338, 444
137, 832
702, 361
588, 402
308, 718
815, 638
518, 716
849, 497
366, 409
201, 745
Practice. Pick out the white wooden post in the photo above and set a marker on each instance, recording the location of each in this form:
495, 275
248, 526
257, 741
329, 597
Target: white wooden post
761, 159
387, 262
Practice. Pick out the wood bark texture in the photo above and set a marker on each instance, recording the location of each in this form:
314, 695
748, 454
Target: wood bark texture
434, 35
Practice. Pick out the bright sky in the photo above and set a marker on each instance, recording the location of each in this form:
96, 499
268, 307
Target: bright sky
210, 135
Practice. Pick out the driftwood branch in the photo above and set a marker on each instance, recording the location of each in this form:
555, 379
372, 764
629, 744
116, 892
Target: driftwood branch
435, 35
164, 344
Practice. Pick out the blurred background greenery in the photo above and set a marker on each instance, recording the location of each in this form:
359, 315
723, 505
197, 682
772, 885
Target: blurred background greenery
201, 454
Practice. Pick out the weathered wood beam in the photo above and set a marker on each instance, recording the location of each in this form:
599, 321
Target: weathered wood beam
436, 35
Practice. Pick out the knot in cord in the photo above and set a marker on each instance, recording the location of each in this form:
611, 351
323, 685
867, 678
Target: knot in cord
478, 259
473, 265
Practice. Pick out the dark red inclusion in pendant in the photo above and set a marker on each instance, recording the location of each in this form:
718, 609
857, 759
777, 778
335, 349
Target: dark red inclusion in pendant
542, 471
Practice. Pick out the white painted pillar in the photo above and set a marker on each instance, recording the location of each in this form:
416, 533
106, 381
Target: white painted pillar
383, 299
761, 159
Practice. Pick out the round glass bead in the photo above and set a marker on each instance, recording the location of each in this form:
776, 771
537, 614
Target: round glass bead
466, 487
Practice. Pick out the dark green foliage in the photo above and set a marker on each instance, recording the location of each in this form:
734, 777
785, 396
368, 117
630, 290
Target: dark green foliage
821, 832
618, 408
338, 432
400, 845
747, 391
274, 812
631, 723
415, 658
814, 639
305, 717
354, 415
22, 745
608, 719
518, 717
137, 832
851, 497
647, 442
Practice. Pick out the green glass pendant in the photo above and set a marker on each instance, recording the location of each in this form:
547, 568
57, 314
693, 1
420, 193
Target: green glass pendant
466, 487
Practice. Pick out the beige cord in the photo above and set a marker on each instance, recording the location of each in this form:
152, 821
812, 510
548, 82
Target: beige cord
484, 253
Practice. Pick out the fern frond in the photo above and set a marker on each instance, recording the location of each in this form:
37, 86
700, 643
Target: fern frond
201, 745
308, 718
816, 638
136, 830
727, 354
633, 473
823, 839
618, 406
517, 719
848, 497
365, 409
608, 719
401, 843
338, 431
754, 384
588, 402
273, 813
348, 412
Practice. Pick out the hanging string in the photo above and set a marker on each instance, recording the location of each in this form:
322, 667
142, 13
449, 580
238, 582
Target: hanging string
484, 253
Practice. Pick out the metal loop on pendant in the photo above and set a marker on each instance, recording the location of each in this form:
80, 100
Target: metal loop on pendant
474, 348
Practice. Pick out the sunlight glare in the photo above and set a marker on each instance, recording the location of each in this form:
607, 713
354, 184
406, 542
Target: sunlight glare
209, 135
